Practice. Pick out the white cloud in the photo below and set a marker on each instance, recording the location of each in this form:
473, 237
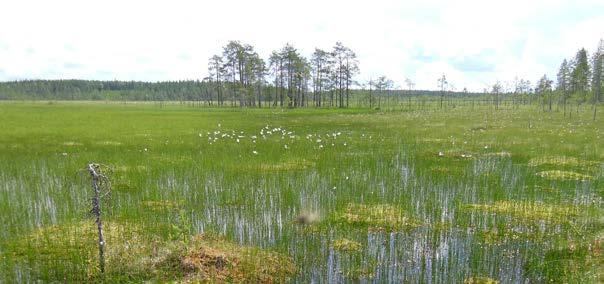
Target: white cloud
474, 43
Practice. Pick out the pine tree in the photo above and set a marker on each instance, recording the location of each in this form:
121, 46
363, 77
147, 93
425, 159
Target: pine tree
563, 84
580, 76
544, 89
598, 75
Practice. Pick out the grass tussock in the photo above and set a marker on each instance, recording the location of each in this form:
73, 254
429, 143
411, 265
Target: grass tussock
560, 161
529, 211
346, 245
159, 205
377, 217
123, 169
480, 280
564, 175
72, 144
506, 235
111, 143
286, 166
499, 154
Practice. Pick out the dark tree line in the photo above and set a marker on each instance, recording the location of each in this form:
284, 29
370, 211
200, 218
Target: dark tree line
102, 90
209, 92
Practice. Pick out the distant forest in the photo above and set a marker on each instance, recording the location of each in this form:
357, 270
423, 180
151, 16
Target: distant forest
199, 91
239, 77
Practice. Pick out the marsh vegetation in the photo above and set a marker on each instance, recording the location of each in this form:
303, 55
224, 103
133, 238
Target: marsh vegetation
467, 195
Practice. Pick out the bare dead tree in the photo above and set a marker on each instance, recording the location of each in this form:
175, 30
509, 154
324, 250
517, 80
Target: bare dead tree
101, 187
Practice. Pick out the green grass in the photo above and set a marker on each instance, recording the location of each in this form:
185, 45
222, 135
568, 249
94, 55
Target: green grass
452, 196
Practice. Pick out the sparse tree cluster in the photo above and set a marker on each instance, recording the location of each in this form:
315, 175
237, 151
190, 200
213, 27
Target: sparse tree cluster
544, 91
289, 79
579, 79
382, 86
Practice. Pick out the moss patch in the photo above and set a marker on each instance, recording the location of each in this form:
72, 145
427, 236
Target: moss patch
72, 144
378, 217
498, 154
159, 205
564, 175
480, 280
560, 161
529, 211
346, 245
287, 165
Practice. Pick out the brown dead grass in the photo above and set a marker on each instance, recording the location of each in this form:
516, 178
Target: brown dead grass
217, 260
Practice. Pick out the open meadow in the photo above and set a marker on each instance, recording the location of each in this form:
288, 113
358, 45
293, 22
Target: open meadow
467, 194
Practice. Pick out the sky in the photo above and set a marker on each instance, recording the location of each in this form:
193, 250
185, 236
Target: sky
474, 43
